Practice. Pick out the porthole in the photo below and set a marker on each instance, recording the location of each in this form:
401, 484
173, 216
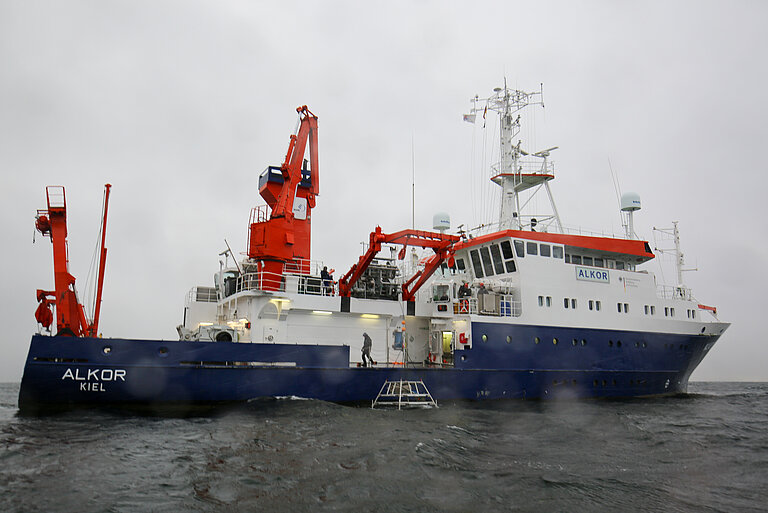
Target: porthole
107, 349
583, 342
509, 339
536, 340
637, 344
594, 383
618, 343
573, 382
162, 352
610, 343
574, 341
484, 338
645, 344
554, 341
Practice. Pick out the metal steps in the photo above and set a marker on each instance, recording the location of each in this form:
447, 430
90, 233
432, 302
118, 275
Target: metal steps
404, 394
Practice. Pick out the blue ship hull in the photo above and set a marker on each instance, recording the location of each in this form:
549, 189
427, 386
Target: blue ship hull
522, 362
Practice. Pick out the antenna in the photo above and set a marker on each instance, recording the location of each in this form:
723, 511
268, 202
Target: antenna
413, 182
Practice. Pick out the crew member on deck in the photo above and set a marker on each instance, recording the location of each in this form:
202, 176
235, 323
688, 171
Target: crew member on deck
464, 290
367, 343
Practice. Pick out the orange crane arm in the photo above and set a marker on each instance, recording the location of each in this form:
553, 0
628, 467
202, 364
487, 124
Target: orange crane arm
291, 168
440, 242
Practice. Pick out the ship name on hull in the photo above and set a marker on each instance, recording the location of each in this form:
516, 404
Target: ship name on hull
92, 380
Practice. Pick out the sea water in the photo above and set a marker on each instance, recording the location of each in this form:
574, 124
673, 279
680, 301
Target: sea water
703, 451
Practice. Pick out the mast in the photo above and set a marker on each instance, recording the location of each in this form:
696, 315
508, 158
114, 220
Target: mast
513, 173
94, 327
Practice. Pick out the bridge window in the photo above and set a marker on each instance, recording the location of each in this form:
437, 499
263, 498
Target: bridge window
520, 248
575, 259
532, 248
506, 250
460, 264
587, 260
557, 252
544, 250
478, 268
599, 262
486, 257
498, 264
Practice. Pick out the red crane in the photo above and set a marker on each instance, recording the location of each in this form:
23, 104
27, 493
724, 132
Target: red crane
70, 314
284, 239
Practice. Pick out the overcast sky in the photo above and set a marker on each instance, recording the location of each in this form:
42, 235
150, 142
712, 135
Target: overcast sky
180, 105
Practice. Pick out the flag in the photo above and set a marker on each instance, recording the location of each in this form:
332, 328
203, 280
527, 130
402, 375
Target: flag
470, 118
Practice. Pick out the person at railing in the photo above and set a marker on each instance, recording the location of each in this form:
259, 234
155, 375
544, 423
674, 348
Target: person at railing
464, 290
327, 280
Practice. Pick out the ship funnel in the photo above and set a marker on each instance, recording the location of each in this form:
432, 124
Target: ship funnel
630, 203
441, 222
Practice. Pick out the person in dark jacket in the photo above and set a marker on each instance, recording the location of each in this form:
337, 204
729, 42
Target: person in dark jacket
327, 278
367, 343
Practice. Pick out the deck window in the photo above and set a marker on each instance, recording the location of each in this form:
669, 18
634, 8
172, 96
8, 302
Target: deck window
486, 257
532, 248
460, 264
544, 250
597, 305
653, 310
567, 258
478, 268
498, 264
575, 259
599, 262
520, 248
587, 260
591, 305
573, 304
566, 303
511, 266
619, 265
557, 252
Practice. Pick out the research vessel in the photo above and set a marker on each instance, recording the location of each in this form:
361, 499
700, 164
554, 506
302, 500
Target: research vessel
520, 309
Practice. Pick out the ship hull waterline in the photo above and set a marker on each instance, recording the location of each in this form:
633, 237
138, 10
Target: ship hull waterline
63, 373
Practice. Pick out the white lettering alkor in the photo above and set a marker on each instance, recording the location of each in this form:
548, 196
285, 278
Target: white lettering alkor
591, 274
94, 374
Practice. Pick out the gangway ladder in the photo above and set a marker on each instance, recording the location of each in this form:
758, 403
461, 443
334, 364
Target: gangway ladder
404, 394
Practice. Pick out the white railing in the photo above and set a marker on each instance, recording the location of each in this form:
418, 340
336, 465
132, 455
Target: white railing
505, 307
674, 292
202, 295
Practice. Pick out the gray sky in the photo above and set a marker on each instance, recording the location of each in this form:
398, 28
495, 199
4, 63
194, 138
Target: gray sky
180, 105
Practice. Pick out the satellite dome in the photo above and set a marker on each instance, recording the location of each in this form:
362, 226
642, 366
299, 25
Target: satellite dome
630, 201
441, 221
